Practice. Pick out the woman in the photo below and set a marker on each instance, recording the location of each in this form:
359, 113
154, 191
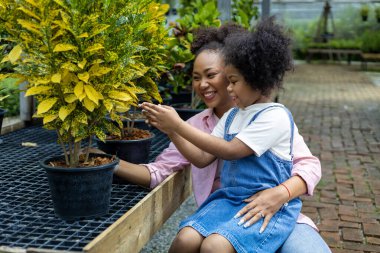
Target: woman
210, 83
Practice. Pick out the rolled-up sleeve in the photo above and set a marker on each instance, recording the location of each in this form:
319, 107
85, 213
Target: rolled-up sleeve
305, 165
169, 161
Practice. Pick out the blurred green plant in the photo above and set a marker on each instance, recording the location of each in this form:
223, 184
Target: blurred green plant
10, 96
371, 42
243, 12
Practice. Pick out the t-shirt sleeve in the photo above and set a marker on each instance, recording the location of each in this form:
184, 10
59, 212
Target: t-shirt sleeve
269, 129
218, 130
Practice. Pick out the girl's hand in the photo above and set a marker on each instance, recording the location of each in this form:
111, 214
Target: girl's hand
165, 118
262, 205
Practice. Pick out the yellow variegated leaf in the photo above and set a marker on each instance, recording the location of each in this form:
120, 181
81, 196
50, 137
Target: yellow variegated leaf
59, 33
62, 47
82, 63
32, 2
70, 98
32, 27
95, 47
97, 61
29, 13
84, 76
49, 118
56, 78
83, 35
15, 54
102, 71
108, 104
79, 89
81, 117
65, 111
89, 104
69, 66
120, 95
44, 80
68, 77
46, 105
37, 90
92, 94
99, 29
5, 59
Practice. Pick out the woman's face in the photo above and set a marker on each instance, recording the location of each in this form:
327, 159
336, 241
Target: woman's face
210, 82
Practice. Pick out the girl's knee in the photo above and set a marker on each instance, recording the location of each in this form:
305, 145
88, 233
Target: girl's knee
187, 240
216, 243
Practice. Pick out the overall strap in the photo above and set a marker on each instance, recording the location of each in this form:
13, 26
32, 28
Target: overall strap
229, 119
291, 123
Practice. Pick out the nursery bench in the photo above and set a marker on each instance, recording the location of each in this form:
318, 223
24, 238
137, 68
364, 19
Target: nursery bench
331, 52
27, 220
366, 57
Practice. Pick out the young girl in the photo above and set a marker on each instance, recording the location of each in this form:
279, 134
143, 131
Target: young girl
256, 148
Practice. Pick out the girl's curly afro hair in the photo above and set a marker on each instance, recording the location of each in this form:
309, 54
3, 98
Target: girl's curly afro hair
262, 56
212, 38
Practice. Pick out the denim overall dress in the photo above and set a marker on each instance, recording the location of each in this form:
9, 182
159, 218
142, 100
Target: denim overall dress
241, 179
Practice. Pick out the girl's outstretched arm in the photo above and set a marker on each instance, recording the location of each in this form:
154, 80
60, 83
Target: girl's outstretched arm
167, 120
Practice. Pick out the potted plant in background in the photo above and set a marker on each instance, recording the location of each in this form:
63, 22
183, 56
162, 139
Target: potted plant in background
83, 59
377, 13
364, 10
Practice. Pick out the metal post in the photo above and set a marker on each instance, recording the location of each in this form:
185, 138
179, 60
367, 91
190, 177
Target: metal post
224, 7
265, 8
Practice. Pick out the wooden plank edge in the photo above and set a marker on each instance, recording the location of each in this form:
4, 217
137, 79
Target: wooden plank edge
136, 227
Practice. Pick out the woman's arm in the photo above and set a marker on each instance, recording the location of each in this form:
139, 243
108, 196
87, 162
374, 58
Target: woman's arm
150, 175
134, 173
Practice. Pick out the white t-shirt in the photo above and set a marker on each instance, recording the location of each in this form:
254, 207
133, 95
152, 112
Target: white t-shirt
271, 130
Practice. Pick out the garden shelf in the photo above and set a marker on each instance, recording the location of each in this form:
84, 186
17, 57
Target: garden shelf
27, 220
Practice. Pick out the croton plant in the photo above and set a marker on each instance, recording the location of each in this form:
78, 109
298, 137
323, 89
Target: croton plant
84, 59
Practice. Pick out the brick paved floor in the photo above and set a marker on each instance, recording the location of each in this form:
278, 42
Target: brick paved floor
337, 110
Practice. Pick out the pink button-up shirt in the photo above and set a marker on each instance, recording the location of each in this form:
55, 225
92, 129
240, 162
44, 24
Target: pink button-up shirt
206, 180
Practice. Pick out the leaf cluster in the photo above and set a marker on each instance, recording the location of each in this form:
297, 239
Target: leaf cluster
194, 14
84, 59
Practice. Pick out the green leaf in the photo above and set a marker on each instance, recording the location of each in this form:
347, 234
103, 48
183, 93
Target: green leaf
120, 95
95, 47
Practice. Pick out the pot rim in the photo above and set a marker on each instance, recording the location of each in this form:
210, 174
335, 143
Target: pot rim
44, 164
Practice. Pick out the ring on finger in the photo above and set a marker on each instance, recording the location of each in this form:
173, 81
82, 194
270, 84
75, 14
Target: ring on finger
261, 214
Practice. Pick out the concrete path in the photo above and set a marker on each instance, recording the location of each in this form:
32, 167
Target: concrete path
337, 111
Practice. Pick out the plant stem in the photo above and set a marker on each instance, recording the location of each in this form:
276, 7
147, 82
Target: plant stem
63, 148
88, 149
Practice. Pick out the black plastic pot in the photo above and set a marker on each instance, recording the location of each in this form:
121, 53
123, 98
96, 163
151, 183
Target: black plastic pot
134, 151
181, 97
2, 113
185, 113
80, 192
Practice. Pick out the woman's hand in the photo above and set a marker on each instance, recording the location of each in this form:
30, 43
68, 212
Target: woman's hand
262, 205
163, 117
